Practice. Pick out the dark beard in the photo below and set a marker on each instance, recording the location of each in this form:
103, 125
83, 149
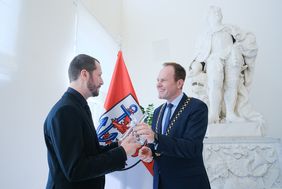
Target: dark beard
94, 91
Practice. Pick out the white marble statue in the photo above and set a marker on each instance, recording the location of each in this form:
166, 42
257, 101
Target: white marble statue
228, 56
198, 81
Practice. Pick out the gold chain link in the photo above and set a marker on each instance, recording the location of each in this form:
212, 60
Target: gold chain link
174, 119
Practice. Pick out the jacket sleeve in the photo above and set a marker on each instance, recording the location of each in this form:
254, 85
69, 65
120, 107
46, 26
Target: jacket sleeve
66, 133
109, 147
190, 143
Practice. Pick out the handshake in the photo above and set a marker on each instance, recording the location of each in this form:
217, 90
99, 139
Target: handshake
135, 139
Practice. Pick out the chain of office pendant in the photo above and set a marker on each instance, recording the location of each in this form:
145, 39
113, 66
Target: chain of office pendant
174, 119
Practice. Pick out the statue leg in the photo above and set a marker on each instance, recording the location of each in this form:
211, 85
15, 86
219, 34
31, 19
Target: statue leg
231, 86
215, 84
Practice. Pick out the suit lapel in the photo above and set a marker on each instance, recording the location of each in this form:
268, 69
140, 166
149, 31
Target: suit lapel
179, 106
178, 110
176, 117
161, 120
158, 119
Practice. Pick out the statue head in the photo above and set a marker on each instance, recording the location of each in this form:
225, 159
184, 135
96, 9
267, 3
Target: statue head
214, 15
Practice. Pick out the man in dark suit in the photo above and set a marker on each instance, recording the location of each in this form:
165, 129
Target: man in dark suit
176, 136
75, 158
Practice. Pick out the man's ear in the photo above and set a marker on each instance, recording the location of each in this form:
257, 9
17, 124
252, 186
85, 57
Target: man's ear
84, 74
180, 83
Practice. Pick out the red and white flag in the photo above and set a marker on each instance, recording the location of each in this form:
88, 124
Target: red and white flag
121, 107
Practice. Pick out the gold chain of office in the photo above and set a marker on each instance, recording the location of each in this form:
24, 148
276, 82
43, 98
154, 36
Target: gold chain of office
171, 124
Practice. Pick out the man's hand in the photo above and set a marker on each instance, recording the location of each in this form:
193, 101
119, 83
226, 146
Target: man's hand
145, 154
144, 131
130, 144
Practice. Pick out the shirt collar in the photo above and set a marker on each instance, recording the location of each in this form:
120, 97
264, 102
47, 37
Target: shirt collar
78, 96
176, 101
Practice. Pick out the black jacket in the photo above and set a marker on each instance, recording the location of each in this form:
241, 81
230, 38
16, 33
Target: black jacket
75, 158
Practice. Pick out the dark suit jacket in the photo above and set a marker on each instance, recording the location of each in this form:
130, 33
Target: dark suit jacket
75, 158
178, 155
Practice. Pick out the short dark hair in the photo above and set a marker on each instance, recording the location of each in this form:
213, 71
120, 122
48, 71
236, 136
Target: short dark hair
80, 62
179, 71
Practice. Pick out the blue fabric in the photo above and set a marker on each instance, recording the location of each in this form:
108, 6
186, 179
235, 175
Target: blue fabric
178, 161
167, 118
175, 103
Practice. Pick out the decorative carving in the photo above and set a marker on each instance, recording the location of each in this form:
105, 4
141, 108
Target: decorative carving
243, 165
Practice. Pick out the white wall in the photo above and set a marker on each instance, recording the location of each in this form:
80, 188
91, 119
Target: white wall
164, 30
37, 41
152, 32
43, 48
108, 12
94, 40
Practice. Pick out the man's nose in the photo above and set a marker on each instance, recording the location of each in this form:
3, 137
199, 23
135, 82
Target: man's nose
159, 84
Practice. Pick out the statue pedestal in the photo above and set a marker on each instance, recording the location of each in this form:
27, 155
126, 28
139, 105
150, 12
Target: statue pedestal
243, 129
243, 162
